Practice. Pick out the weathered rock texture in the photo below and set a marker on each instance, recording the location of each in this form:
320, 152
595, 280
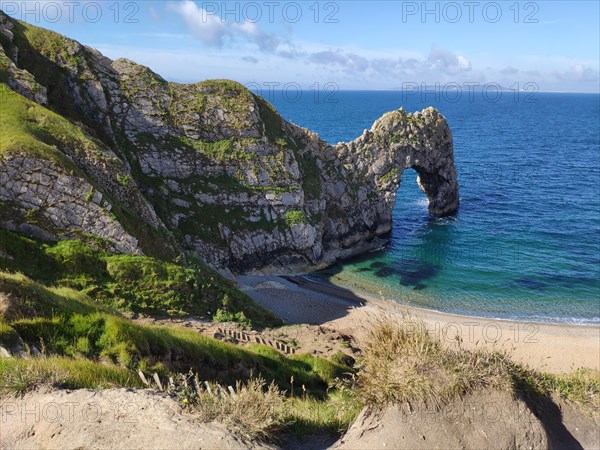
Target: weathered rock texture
214, 168
61, 201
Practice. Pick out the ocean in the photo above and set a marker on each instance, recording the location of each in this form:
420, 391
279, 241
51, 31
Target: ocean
525, 243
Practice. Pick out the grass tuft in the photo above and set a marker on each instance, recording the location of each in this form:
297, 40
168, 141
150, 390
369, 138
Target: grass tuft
254, 408
403, 363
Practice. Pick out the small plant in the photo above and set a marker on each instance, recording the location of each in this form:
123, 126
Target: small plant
124, 180
295, 217
390, 176
281, 142
225, 315
89, 196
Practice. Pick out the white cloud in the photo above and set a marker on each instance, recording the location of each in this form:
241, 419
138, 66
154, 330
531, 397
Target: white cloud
214, 31
448, 62
382, 73
438, 63
250, 59
578, 72
208, 28
265, 41
346, 61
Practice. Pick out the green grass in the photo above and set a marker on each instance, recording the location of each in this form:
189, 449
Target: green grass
227, 314
18, 375
51, 45
255, 411
63, 322
32, 299
222, 86
206, 221
9, 338
113, 340
142, 284
30, 128
260, 411
225, 150
332, 415
581, 386
272, 121
231, 96
4, 65
128, 283
302, 367
274, 131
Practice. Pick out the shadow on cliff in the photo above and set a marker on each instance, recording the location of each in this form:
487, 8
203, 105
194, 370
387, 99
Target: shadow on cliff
550, 415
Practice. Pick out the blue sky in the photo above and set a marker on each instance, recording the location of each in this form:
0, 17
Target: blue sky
354, 44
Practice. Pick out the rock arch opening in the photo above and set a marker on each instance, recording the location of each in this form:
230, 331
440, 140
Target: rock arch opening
411, 199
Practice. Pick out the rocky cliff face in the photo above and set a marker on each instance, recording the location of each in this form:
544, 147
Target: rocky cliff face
208, 168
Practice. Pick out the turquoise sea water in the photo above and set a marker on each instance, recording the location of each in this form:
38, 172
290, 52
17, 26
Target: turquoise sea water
525, 242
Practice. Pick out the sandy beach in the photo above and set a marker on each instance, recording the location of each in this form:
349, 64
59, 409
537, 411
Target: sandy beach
544, 346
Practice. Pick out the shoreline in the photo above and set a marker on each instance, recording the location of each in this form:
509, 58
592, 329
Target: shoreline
370, 297
552, 347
